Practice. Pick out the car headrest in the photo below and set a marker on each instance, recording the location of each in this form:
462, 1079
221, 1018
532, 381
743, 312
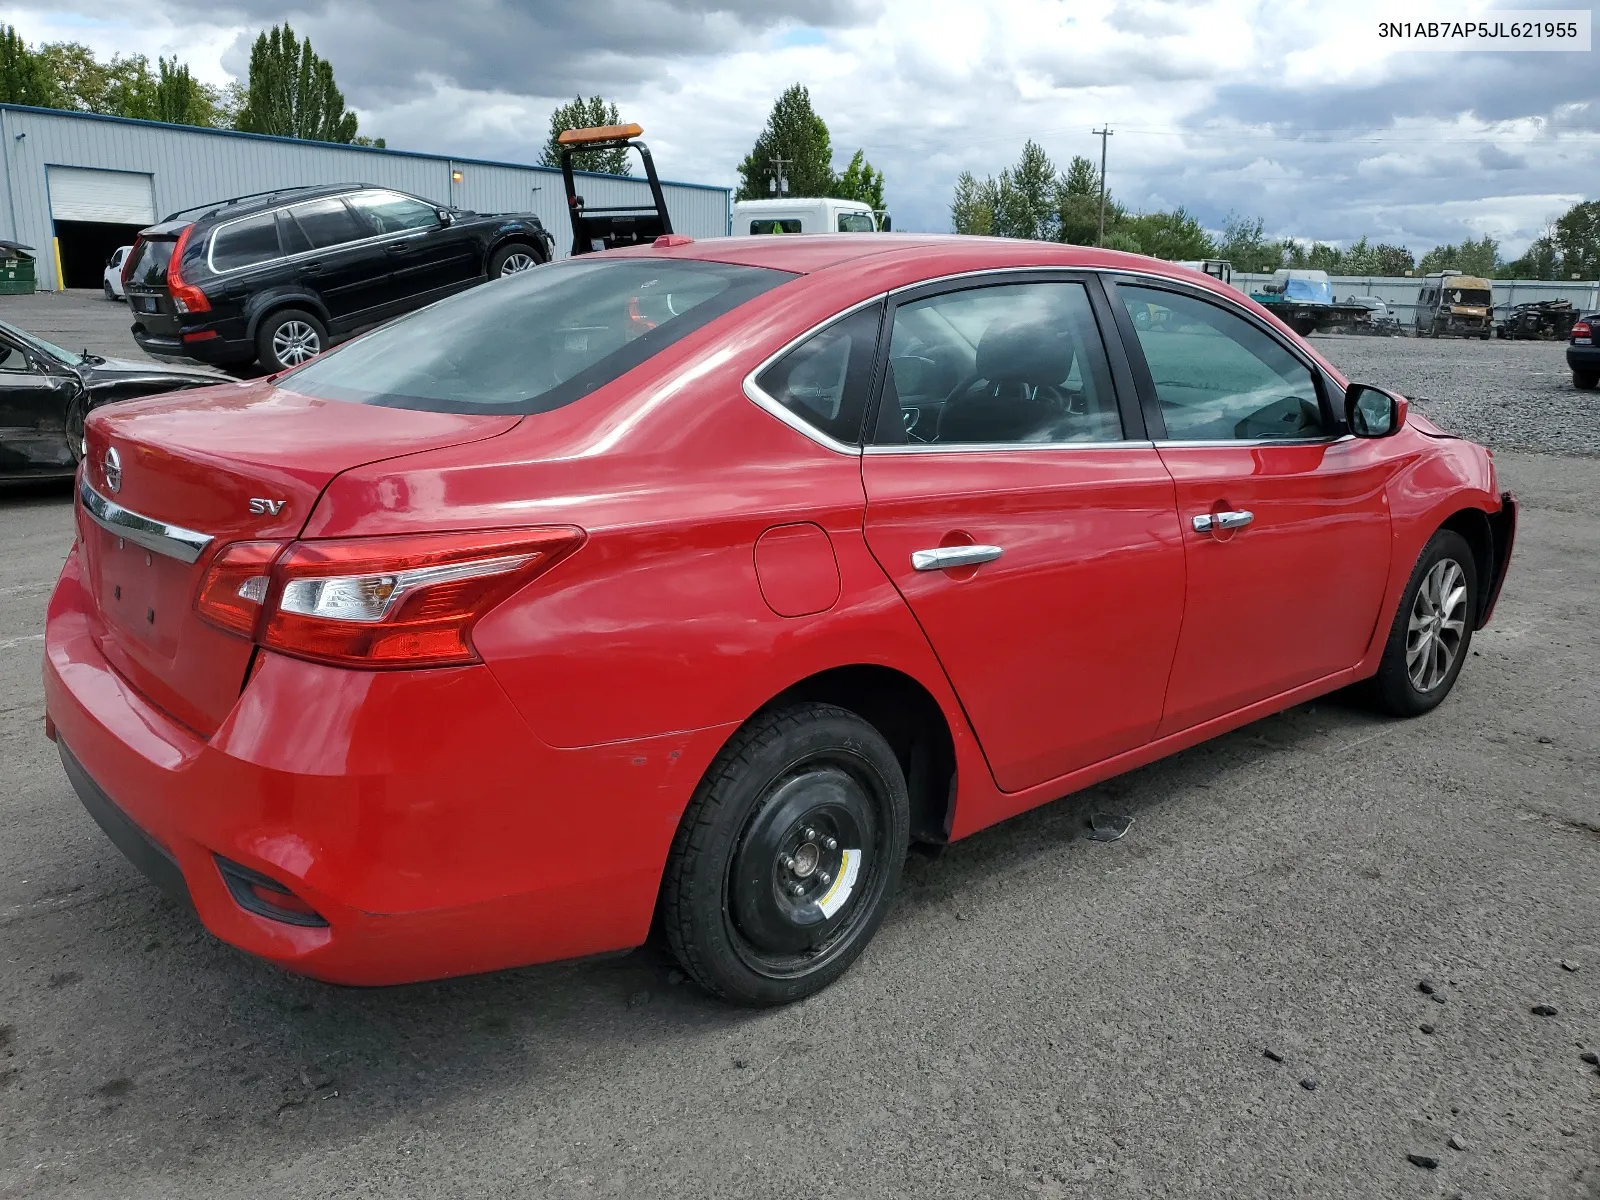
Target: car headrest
1036, 352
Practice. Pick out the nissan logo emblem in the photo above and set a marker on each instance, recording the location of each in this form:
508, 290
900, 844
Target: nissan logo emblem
113, 468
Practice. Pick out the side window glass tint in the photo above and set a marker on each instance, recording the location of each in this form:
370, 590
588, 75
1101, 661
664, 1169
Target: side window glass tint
779, 225
824, 380
1015, 363
388, 213
327, 223
291, 235
246, 243
1218, 377
855, 222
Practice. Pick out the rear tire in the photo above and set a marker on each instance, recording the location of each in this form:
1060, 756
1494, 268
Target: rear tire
110, 295
1432, 630
1585, 381
787, 856
288, 338
514, 258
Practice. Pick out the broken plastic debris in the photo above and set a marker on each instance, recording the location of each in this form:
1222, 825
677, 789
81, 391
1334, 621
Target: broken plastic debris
1108, 827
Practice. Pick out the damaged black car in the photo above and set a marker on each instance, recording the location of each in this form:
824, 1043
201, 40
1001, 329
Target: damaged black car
46, 392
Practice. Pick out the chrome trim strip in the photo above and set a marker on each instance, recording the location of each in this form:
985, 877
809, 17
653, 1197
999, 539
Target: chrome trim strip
174, 541
954, 447
1252, 443
769, 403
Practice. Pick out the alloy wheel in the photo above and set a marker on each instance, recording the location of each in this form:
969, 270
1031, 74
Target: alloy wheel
1437, 626
517, 263
294, 341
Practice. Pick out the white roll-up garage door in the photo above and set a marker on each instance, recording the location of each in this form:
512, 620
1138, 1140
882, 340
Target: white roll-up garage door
113, 197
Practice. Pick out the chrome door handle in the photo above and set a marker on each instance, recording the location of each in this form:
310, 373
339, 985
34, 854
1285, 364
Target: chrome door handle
1209, 523
945, 557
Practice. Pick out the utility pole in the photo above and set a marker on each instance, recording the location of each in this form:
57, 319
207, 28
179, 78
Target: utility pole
780, 182
1102, 134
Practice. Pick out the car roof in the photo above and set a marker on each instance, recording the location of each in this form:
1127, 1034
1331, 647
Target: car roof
805, 254
244, 206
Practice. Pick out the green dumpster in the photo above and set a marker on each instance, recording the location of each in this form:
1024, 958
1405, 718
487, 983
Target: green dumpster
17, 276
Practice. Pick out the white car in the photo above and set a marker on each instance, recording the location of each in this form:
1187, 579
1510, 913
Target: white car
113, 276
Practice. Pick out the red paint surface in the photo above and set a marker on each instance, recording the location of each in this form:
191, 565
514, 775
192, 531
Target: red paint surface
521, 809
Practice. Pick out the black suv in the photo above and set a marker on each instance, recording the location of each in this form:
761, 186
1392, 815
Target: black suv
1583, 355
280, 276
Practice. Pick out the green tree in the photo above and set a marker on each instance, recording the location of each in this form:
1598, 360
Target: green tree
292, 92
1078, 204
180, 98
24, 78
1577, 237
1026, 206
972, 208
585, 114
799, 137
1540, 261
1481, 257
1245, 244
77, 78
860, 182
1175, 235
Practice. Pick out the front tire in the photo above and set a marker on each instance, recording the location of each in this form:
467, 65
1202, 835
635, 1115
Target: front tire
1432, 630
1585, 381
513, 259
110, 295
288, 338
786, 858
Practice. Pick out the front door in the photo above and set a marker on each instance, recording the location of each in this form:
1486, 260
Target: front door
429, 258
1285, 521
1035, 541
338, 258
33, 410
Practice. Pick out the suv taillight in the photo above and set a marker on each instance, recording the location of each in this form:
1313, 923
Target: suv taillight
1581, 329
407, 601
185, 296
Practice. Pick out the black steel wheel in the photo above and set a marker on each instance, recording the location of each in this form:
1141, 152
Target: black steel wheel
786, 858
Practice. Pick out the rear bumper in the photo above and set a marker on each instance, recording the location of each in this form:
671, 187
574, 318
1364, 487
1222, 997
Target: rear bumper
218, 351
414, 811
1583, 358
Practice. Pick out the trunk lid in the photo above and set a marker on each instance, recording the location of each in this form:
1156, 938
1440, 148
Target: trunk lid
238, 462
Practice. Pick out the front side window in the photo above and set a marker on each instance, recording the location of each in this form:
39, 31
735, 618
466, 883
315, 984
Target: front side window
245, 243
326, 223
535, 341
389, 213
777, 225
1014, 363
1217, 376
856, 222
824, 381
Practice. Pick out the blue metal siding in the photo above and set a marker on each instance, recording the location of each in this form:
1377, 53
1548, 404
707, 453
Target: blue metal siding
196, 166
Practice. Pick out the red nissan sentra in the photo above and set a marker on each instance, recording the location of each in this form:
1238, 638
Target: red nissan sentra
699, 580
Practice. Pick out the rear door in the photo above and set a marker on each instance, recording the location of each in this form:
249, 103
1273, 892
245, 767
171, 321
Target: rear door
338, 258
1285, 520
428, 258
1014, 502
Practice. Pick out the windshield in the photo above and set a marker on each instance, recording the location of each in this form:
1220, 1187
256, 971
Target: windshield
534, 341
1314, 290
48, 349
1467, 296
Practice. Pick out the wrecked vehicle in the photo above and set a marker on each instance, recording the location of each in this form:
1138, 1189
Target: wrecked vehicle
1380, 319
1537, 320
1454, 305
46, 392
1303, 300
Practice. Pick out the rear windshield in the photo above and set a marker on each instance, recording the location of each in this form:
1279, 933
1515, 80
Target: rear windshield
150, 259
533, 341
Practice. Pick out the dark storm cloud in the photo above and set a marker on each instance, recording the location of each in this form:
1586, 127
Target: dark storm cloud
547, 48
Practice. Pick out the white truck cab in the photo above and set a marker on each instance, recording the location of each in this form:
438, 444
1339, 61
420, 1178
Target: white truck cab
807, 215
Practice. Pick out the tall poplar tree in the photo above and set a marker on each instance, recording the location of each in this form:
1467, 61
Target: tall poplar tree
292, 92
585, 114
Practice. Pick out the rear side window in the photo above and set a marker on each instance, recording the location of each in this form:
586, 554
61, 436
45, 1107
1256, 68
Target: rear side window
246, 243
389, 213
327, 223
535, 341
150, 261
855, 222
781, 225
824, 381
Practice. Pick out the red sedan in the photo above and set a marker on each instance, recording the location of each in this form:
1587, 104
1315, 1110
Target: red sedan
696, 581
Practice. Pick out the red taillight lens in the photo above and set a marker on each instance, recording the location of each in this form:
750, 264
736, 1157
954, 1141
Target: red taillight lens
1581, 329
401, 601
133, 255
234, 590
187, 297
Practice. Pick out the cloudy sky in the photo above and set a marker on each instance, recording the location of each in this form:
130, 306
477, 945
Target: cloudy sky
1291, 111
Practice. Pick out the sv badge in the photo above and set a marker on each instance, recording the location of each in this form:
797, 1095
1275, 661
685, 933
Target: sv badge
266, 508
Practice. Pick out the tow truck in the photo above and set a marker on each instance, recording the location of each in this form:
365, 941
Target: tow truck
610, 226
1303, 300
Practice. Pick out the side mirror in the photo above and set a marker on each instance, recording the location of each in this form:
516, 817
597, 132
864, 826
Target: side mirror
446, 217
1373, 412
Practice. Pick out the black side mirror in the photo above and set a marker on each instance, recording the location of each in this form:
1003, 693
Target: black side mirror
1373, 412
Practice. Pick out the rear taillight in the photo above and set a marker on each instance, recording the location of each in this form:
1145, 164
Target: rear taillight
133, 256
1581, 329
185, 296
407, 601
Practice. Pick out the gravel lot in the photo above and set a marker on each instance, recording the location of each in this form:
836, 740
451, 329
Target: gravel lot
1041, 1016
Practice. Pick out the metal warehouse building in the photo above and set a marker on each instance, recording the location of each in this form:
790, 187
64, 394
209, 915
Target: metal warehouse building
78, 185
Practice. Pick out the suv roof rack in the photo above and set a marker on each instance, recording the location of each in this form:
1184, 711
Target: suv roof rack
269, 196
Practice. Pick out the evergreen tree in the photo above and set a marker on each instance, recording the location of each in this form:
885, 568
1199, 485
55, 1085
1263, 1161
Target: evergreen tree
795, 134
585, 114
972, 209
860, 182
292, 92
